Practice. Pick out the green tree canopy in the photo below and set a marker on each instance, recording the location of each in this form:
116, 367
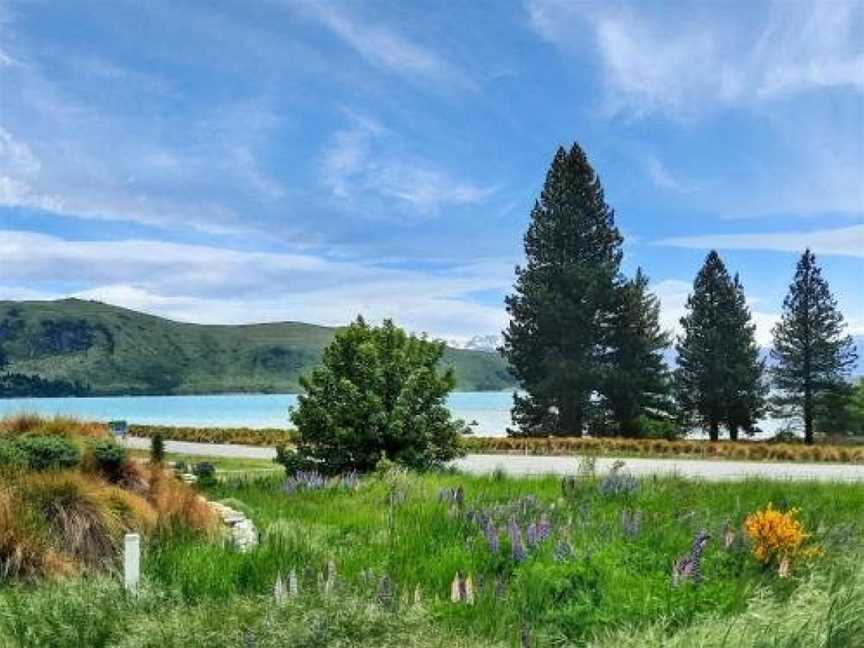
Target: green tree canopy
813, 356
719, 375
637, 380
378, 392
563, 300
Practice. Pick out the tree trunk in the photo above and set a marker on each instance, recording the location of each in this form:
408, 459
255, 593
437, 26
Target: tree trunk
714, 431
808, 416
733, 432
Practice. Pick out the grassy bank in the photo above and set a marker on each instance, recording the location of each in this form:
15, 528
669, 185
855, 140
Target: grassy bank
375, 566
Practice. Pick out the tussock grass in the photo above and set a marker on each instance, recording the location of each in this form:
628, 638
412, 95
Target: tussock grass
745, 450
242, 436
27, 423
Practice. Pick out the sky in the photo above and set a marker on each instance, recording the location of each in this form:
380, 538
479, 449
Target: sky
232, 161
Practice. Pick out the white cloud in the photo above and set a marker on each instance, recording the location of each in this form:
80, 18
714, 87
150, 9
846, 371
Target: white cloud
386, 48
683, 62
363, 159
662, 177
846, 241
216, 285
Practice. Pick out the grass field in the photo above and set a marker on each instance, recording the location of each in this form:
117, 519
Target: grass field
375, 566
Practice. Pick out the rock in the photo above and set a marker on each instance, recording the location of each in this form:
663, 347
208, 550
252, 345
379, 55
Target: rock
239, 529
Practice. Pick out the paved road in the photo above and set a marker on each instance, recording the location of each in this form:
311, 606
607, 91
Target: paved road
532, 465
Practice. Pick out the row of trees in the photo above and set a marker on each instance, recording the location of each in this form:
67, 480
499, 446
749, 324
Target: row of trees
587, 346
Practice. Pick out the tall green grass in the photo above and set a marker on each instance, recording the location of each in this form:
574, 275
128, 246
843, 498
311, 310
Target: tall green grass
614, 589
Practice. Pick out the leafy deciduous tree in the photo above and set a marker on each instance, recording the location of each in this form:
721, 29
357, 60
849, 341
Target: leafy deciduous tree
378, 392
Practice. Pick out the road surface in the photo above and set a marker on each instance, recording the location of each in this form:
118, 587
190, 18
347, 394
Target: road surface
715, 470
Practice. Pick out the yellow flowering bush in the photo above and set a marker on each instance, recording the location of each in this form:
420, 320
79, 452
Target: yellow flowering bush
776, 536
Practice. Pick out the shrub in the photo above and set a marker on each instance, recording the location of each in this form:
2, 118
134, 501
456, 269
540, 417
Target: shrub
205, 472
109, 457
157, 449
11, 456
49, 452
777, 537
378, 392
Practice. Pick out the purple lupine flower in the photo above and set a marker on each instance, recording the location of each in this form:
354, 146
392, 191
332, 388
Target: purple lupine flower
631, 523
491, 534
517, 549
563, 551
531, 535
688, 566
304, 480
544, 527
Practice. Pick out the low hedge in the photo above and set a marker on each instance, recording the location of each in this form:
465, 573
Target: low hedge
747, 450
242, 436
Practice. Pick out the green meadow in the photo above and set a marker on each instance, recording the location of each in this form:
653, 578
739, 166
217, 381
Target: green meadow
373, 563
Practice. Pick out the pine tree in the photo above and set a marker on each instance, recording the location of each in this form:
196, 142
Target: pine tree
563, 299
745, 399
719, 376
637, 382
811, 352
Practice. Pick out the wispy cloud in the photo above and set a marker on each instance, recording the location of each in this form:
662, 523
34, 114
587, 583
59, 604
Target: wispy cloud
846, 241
386, 48
663, 178
681, 62
365, 158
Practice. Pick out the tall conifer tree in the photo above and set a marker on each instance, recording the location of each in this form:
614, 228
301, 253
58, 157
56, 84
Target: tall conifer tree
747, 388
812, 354
563, 299
637, 381
719, 375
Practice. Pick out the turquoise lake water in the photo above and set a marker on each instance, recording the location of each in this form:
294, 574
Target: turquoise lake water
490, 410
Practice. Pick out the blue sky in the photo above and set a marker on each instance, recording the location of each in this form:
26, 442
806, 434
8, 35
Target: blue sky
250, 161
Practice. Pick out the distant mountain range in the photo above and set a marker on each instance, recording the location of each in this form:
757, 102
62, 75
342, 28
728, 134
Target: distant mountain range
114, 351
487, 343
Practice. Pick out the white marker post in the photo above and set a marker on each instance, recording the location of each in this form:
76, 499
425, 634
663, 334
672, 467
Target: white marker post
131, 561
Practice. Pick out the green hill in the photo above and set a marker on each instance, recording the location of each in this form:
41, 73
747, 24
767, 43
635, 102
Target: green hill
119, 351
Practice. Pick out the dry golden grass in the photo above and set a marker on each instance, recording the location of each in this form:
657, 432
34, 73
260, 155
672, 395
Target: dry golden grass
179, 505
65, 426
753, 450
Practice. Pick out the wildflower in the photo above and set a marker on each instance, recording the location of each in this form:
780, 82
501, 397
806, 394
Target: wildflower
531, 535
617, 482
418, 595
293, 588
280, 593
688, 566
563, 551
631, 523
330, 582
384, 594
517, 549
544, 527
775, 535
491, 533
304, 480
